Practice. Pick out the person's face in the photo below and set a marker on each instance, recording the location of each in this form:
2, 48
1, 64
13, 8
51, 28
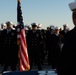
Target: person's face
74, 18
9, 26
2, 27
57, 31
74, 21
34, 28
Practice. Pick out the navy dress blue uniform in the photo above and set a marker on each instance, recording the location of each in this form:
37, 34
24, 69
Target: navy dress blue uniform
1, 50
48, 45
33, 43
10, 49
62, 35
55, 49
67, 59
42, 47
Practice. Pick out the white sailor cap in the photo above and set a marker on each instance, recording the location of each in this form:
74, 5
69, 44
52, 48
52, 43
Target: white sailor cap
57, 28
66, 25
72, 6
3, 24
39, 25
26, 28
52, 27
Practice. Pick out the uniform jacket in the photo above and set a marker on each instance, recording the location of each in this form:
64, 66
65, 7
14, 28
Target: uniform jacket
67, 59
9, 46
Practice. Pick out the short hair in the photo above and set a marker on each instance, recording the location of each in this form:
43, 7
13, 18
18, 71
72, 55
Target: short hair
9, 23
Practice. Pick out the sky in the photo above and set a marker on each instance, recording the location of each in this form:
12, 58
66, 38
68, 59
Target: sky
45, 12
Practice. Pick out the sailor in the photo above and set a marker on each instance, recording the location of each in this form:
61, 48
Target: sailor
67, 59
3, 26
39, 26
33, 43
10, 49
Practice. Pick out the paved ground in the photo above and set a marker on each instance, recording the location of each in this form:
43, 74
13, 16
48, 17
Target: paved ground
44, 68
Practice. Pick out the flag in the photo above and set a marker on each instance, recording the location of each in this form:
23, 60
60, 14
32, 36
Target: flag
21, 40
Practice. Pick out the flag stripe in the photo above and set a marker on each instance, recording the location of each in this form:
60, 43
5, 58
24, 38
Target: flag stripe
23, 61
23, 46
21, 67
24, 52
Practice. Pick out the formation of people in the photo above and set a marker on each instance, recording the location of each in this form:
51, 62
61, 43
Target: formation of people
56, 46
8, 46
41, 44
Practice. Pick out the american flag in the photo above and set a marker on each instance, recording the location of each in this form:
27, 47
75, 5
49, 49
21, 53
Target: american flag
21, 40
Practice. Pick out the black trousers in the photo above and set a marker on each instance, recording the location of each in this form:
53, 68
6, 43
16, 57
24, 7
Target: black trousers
13, 67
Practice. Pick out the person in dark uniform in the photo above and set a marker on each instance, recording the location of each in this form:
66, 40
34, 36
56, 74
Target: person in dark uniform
49, 33
67, 59
9, 46
33, 45
3, 25
55, 46
63, 32
42, 48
